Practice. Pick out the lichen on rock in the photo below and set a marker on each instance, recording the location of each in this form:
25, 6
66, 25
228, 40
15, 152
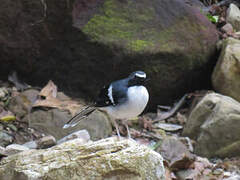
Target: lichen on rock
104, 159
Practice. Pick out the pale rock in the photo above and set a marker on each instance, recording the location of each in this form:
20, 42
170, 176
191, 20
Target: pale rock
46, 142
227, 28
14, 148
51, 121
168, 126
175, 153
214, 124
105, 159
30, 144
226, 74
81, 134
5, 138
233, 16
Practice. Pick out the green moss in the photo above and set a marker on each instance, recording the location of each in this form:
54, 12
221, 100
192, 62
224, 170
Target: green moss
133, 27
230, 150
122, 25
139, 45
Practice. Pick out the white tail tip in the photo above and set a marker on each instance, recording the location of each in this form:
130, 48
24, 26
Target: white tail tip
68, 125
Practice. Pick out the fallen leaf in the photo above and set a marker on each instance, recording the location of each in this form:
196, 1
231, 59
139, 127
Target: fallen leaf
70, 105
7, 116
49, 91
51, 100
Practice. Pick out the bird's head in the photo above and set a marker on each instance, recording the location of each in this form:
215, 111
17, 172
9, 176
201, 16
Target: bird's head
137, 78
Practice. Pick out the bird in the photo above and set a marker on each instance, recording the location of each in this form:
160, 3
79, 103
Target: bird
123, 99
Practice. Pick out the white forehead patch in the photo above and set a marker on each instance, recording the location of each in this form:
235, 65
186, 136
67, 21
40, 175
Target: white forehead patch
140, 75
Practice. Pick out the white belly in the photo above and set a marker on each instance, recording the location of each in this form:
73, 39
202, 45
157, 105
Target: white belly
137, 100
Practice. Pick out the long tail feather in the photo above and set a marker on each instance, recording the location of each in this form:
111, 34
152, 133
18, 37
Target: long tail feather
81, 115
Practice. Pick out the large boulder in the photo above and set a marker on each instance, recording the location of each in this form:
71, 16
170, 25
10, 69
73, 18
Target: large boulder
226, 74
214, 123
104, 159
84, 44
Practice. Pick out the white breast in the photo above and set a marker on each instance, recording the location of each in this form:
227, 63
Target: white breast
137, 100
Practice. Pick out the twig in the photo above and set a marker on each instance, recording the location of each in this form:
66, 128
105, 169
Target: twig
44, 13
171, 112
222, 3
145, 134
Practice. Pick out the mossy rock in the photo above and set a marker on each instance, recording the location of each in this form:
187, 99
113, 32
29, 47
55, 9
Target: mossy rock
81, 45
169, 40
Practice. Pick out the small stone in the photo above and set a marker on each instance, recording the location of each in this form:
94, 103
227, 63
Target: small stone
5, 138
30, 145
233, 177
31, 94
227, 28
168, 126
233, 16
12, 127
185, 174
227, 174
3, 93
187, 142
46, 142
15, 148
2, 152
82, 134
218, 171
19, 105
175, 153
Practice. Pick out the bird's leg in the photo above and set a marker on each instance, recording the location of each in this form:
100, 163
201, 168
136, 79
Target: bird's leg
126, 125
116, 126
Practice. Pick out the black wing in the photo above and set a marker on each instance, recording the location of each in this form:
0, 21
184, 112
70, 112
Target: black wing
103, 97
119, 94
119, 91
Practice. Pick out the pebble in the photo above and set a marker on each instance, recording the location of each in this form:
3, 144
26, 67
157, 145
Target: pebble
168, 126
83, 134
5, 138
46, 142
227, 28
30, 145
15, 148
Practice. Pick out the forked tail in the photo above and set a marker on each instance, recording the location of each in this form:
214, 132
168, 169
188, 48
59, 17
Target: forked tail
81, 115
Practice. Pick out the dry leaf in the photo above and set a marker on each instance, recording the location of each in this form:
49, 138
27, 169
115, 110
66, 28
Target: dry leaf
7, 116
50, 94
49, 91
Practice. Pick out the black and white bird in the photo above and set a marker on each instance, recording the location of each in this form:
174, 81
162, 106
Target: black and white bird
123, 99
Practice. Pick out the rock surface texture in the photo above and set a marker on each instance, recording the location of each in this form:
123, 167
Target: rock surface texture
104, 159
226, 75
214, 123
83, 44
233, 16
51, 122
